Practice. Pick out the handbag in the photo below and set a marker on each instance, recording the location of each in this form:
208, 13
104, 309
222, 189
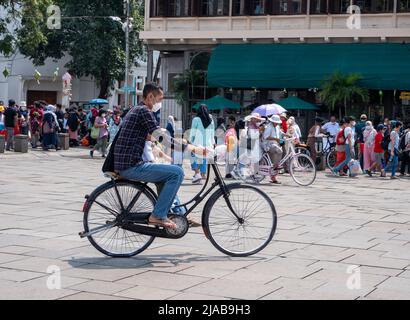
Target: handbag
355, 168
95, 133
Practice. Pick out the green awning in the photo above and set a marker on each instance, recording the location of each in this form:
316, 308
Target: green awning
300, 66
295, 103
218, 103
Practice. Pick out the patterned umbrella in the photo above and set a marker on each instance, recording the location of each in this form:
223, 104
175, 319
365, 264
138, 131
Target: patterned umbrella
268, 110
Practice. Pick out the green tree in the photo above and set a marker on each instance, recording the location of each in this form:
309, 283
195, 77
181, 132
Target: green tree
94, 41
8, 12
341, 89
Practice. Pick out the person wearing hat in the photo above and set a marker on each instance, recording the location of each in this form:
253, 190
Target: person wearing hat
271, 142
10, 122
254, 120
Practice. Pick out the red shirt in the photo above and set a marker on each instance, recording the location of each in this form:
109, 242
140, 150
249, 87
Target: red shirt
378, 143
284, 126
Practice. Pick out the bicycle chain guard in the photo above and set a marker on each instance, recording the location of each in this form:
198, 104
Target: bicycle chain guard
178, 233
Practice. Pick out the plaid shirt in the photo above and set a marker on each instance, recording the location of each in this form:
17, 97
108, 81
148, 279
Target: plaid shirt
129, 148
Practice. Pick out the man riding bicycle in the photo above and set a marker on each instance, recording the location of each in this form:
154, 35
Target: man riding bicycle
138, 127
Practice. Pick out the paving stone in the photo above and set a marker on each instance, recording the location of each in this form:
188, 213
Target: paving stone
164, 280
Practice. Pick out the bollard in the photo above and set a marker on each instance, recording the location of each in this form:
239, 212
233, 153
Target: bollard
2, 143
64, 140
322, 165
21, 143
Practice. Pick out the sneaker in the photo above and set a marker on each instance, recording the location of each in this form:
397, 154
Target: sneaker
394, 178
369, 173
197, 178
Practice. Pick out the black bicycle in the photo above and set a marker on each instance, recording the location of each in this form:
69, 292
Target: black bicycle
239, 220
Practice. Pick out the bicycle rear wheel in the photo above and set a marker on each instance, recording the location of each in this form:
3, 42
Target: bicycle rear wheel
302, 169
103, 213
240, 238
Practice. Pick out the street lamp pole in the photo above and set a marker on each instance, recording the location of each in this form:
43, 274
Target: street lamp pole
127, 53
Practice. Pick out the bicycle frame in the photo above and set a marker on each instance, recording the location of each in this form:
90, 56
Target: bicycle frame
196, 201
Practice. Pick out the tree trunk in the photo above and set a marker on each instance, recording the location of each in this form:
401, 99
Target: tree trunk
104, 88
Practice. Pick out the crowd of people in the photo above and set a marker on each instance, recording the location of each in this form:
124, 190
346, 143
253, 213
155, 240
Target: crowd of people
42, 122
378, 147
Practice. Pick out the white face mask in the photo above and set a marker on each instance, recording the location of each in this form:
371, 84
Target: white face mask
157, 107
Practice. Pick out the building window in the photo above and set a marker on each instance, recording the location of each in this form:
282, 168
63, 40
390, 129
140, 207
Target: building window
158, 8
289, 7
211, 8
240, 7
318, 6
258, 7
339, 6
179, 8
375, 6
403, 6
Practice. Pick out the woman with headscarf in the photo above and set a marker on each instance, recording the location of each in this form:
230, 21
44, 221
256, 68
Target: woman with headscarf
220, 132
369, 135
202, 134
114, 125
49, 128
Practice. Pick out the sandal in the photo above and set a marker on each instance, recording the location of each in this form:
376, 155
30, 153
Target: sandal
165, 223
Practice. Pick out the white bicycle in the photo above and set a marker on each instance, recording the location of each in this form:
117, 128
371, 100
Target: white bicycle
301, 167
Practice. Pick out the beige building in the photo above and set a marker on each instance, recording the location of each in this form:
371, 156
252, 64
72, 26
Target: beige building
185, 31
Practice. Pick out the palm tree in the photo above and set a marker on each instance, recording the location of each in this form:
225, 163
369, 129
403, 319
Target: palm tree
340, 89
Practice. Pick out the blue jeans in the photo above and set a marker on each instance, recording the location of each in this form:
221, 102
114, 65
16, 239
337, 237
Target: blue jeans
198, 163
347, 160
170, 176
393, 165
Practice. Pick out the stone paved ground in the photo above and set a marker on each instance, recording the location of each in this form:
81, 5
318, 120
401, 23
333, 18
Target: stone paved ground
323, 231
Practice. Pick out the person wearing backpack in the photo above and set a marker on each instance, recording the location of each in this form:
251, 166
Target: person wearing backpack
405, 149
394, 150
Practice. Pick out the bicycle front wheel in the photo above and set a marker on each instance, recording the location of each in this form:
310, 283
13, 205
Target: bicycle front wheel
244, 237
302, 169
